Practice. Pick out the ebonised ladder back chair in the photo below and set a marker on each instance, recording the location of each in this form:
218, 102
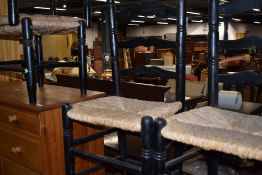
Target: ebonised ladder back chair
211, 129
144, 71
28, 30
121, 114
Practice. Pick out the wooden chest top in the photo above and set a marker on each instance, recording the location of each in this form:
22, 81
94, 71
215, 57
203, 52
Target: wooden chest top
48, 97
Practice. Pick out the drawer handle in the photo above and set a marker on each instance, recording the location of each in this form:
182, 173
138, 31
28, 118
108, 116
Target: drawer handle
12, 118
16, 150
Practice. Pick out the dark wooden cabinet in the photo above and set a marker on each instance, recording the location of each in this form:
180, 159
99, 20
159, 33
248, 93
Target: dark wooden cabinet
32, 135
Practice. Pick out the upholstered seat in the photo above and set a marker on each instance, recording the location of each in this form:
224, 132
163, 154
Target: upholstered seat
220, 130
42, 25
120, 112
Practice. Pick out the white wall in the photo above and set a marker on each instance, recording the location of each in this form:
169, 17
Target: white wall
91, 34
195, 29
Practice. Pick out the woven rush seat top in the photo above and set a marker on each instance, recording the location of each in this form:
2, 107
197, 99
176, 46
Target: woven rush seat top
218, 130
120, 112
42, 25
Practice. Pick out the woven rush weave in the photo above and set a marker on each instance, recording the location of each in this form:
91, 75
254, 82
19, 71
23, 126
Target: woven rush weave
219, 130
41, 25
120, 112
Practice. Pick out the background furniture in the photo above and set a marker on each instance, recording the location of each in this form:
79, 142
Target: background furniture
241, 81
31, 135
128, 89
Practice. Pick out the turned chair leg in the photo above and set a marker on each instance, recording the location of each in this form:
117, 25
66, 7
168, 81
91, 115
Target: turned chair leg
82, 48
147, 147
179, 150
212, 163
39, 60
122, 147
13, 15
68, 140
29, 59
159, 147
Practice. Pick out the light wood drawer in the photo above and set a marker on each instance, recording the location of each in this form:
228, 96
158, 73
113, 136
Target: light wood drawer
12, 168
19, 120
21, 149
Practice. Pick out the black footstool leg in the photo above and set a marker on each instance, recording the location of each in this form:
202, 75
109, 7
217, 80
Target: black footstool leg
68, 141
147, 147
159, 147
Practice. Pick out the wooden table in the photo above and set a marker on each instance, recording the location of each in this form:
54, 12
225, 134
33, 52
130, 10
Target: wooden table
32, 135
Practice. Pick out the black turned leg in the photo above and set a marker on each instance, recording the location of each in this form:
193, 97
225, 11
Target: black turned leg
39, 55
122, 147
52, 7
87, 12
212, 163
68, 140
29, 59
147, 147
213, 53
180, 61
179, 150
82, 48
13, 16
113, 46
159, 147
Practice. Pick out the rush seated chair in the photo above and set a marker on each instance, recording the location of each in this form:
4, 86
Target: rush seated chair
213, 131
115, 113
38, 25
119, 114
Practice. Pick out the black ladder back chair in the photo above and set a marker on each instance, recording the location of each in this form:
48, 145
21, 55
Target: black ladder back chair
124, 115
147, 70
212, 130
35, 25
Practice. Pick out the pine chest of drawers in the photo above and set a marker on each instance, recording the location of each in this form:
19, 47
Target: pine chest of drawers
31, 135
